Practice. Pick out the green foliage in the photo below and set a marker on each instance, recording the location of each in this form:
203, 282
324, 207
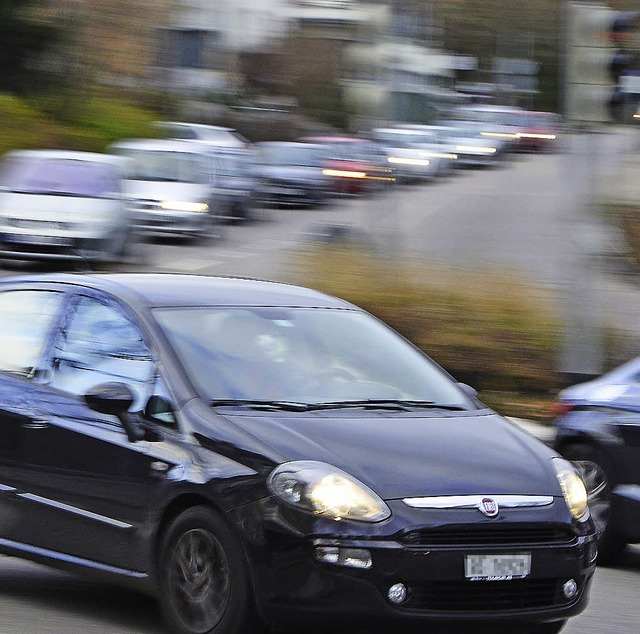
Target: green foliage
24, 41
487, 329
96, 123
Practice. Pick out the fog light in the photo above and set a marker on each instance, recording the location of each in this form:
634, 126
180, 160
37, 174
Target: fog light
349, 557
397, 593
570, 589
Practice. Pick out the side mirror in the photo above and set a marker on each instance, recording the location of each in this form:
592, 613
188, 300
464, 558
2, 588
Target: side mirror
115, 399
468, 390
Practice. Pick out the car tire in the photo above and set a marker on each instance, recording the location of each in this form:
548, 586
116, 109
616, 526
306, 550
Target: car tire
598, 476
203, 577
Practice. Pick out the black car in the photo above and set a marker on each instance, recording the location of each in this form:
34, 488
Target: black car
291, 174
258, 453
598, 428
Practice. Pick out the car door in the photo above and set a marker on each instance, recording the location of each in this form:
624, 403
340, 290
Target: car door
26, 317
87, 482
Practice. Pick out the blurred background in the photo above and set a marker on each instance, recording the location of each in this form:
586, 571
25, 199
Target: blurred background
519, 277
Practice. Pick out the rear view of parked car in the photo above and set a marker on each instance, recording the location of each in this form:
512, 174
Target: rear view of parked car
171, 188
59, 205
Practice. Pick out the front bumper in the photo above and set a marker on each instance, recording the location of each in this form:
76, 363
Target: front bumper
425, 551
166, 223
47, 247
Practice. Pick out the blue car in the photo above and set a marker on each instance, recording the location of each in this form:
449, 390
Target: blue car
598, 428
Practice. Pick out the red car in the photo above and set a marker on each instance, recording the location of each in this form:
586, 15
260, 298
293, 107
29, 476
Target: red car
355, 165
540, 132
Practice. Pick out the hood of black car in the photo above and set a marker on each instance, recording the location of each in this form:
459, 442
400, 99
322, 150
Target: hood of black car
407, 455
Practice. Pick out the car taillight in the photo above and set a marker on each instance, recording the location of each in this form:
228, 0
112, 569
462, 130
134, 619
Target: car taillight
560, 408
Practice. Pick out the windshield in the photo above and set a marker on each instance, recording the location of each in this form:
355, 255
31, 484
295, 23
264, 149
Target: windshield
301, 355
161, 165
403, 138
283, 155
64, 177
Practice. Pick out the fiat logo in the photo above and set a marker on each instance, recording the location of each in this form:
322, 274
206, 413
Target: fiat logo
489, 507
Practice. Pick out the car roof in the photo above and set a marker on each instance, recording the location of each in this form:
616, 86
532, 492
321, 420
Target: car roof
194, 126
174, 289
159, 145
71, 155
333, 139
284, 144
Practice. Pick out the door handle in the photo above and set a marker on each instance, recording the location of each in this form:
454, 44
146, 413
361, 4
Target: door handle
36, 423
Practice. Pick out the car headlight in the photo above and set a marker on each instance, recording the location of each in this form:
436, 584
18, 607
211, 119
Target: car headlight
177, 205
573, 489
319, 488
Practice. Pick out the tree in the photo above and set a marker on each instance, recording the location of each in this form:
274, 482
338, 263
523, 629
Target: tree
27, 34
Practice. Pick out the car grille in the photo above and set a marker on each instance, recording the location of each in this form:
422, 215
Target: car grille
487, 536
475, 596
37, 224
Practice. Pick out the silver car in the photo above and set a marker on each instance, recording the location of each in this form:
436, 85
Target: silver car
172, 188
60, 205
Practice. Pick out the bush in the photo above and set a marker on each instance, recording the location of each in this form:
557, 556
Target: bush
486, 328
91, 125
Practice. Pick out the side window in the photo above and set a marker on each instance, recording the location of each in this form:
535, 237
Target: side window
98, 344
25, 319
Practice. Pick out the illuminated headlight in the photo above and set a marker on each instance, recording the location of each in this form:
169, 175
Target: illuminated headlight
442, 155
573, 489
499, 135
344, 173
408, 161
175, 205
528, 135
475, 149
321, 489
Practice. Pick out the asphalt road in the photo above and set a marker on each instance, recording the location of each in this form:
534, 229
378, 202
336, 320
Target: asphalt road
37, 600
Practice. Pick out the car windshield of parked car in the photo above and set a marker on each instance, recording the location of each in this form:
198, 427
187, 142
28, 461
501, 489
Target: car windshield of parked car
167, 166
288, 155
302, 355
60, 176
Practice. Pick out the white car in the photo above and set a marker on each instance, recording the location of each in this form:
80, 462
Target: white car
63, 205
213, 134
413, 154
172, 188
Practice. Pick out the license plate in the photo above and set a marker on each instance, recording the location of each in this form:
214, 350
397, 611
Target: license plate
498, 567
58, 241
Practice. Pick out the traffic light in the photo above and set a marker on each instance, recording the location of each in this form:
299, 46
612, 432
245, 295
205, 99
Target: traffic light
601, 56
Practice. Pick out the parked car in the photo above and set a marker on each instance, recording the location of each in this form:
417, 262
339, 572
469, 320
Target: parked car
252, 450
236, 183
414, 154
354, 165
498, 122
598, 428
540, 131
172, 188
471, 148
214, 134
67, 206
291, 173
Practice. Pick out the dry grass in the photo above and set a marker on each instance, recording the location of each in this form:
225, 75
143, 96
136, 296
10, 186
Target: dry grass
486, 328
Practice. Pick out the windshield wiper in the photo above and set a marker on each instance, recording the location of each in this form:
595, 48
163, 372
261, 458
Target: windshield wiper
387, 403
290, 406
48, 192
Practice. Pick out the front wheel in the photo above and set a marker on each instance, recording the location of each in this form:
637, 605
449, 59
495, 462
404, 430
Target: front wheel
203, 576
